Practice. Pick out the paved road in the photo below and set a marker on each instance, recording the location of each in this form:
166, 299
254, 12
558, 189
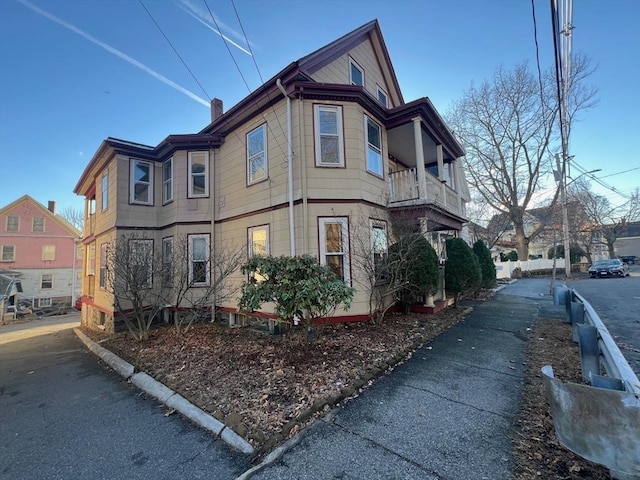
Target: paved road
617, 302
64, 415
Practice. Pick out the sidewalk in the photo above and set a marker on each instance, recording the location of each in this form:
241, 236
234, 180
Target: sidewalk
445, 414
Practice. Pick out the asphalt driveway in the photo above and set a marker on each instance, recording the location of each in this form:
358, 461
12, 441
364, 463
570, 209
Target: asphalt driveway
63, 415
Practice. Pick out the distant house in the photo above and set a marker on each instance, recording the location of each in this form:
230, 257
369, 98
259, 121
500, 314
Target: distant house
324, 153
628, 242
40, 249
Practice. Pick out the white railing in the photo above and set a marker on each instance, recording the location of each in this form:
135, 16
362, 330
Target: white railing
403, 185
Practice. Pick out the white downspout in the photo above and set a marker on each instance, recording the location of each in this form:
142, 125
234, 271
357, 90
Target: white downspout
292, 233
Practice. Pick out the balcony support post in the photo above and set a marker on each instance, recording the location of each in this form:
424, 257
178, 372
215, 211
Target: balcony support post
440, 158
422, 179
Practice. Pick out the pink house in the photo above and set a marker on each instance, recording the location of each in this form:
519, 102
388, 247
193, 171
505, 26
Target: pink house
40, 249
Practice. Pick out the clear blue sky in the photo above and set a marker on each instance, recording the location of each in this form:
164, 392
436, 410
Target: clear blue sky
73, 72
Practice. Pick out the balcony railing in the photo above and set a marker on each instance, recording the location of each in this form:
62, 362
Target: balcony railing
403, 189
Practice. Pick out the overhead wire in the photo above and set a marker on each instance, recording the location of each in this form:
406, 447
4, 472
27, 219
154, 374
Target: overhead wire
174, 49
242, 76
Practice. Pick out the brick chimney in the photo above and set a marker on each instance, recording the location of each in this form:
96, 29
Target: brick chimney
52, 206
216, 109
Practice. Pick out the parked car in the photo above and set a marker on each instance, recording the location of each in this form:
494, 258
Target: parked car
609, 268
629, 259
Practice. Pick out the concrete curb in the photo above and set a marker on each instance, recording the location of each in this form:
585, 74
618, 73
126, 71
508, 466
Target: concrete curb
167, 396
123, 368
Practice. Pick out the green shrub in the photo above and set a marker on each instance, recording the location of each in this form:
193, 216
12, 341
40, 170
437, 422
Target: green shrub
462, 269
487, 267
413, 263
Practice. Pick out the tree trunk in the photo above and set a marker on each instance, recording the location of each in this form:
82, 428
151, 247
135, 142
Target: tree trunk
612, 253
522, 243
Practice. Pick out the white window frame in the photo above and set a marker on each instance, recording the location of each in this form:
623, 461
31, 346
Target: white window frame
146, 262
42, 287
44, 302
40, 227
318, 135
379, 92
4, 252
132, 182
91, 259
105, 190
9, 223
102, 280
167, 182
167, 261
206, 237
250, 240
352, 64
48, 253
371, 147
375, 225
192, 156
253, 156
344, 228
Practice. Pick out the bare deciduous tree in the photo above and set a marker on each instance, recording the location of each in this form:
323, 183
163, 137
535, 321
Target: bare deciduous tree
143, 282
128, 273
192, 286
602, 222
507, 126
75, 216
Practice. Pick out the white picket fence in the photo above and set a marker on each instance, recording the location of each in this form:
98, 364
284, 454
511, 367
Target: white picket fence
505, 269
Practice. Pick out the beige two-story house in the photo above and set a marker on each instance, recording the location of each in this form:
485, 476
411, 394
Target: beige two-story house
324, 152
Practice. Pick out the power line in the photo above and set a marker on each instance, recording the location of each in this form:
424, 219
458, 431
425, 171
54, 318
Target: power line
174, 50
620, 173
243, 77
535, 37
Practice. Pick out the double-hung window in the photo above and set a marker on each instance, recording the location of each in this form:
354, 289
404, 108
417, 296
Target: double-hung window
48, 253
46, 281
103, 266
140, 263
258, 241
379, 249
13, 223
382, 96
91, 259
199, 260
167, 181
198, 174
374, 147
167, 261
328, 136
257, 168
105, 190
38, 224
356, 73
8, 253
141, 185
334, 246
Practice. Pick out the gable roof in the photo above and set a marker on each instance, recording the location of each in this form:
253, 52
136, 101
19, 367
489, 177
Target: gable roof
45, 212
334, 50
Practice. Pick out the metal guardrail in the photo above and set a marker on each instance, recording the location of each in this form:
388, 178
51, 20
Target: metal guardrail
599, 421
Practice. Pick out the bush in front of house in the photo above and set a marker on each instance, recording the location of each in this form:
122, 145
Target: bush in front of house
413, 264
487, 266
462, 269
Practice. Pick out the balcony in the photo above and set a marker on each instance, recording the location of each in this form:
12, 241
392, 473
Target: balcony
404, 191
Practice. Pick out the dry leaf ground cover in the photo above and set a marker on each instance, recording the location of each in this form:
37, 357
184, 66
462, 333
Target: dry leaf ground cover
537, 452
269, 387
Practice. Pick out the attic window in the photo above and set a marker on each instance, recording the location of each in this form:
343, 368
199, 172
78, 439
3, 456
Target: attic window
382, 96
356, 73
